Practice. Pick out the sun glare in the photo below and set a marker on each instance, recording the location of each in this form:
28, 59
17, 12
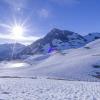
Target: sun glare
17, 32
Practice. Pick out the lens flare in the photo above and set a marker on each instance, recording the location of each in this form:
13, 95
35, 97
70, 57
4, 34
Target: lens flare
17, 32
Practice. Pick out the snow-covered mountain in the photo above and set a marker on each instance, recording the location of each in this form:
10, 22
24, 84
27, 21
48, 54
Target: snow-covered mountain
56, 39
6, 50
92, 36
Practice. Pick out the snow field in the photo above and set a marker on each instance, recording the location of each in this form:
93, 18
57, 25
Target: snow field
47, 89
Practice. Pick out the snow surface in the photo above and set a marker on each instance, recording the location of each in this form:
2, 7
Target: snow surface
47, 89
73, 64
61, 75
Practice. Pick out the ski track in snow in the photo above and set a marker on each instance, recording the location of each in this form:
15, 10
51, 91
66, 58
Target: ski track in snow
47, 89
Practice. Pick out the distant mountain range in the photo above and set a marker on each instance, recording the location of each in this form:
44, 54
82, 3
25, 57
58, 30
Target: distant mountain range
8, 51
56, 39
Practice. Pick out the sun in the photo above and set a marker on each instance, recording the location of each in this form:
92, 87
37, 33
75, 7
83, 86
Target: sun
17, 31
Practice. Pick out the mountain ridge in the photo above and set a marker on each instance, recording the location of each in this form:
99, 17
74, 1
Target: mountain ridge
58, 39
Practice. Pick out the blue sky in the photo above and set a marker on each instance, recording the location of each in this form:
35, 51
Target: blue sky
40, 16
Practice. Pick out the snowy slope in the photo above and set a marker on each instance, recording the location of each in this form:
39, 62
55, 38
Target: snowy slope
73, 64
94, 44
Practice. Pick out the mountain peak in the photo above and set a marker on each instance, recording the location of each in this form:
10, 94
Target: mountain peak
55, 29
56, 39
58, 32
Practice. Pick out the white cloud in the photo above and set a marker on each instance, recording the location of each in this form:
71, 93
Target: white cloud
24, 40
44, 13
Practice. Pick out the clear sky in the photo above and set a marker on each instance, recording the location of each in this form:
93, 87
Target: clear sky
40, 16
